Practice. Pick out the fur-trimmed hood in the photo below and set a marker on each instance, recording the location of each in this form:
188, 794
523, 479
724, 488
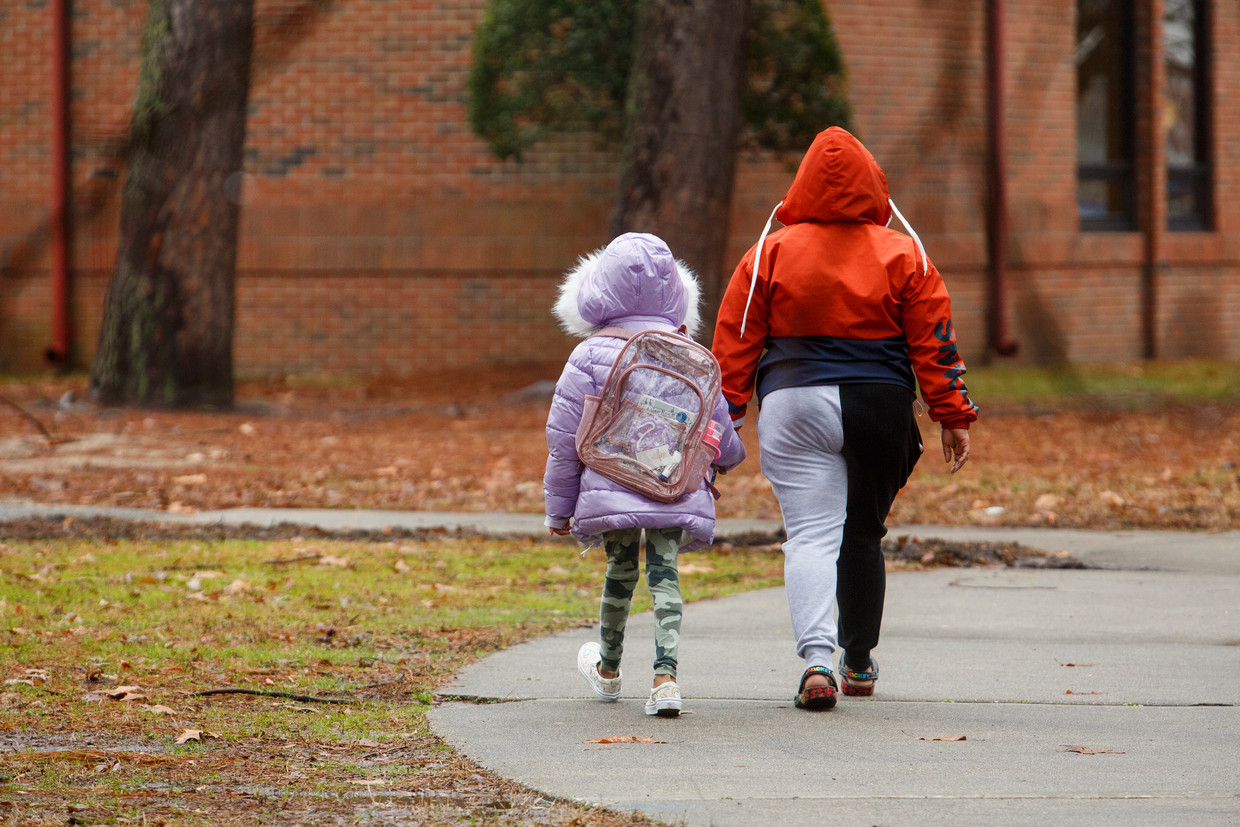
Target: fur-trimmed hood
633, 282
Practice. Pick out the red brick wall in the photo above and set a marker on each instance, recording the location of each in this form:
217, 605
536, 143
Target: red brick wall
379, 236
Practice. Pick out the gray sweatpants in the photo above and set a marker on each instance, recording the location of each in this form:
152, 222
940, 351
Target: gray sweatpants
801, 434
837, 456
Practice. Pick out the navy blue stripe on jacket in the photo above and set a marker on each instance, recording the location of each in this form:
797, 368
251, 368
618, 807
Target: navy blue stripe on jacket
803, 361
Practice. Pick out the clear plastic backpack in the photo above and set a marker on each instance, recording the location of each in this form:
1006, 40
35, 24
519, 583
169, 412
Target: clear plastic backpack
650, 428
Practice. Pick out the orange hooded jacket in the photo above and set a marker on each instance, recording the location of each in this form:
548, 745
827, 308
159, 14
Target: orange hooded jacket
838, 297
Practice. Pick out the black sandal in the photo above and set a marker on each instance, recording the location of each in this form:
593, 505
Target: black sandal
816, 697
859, 681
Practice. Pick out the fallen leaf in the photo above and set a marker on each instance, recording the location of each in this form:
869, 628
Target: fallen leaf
190, 735
369, 782
21, 682
191, 479
1080, 750
1046, 502
338, 562
236, 587
695, 568
247, 429
126, 693
366, 742
623, 739
402, 567
945, 738
160, 709
1112, 499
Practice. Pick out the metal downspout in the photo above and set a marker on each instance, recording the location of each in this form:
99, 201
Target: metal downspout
57, 352
1152, 217
998, 340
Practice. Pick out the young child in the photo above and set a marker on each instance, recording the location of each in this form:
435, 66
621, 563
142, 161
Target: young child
635, 284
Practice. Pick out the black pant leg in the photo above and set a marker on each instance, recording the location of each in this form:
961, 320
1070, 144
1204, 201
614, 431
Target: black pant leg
881, 446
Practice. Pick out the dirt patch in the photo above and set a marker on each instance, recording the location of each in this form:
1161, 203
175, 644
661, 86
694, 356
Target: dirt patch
308, 785
901, 551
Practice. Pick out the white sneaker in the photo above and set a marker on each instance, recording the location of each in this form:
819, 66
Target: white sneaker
608, 689
664, 700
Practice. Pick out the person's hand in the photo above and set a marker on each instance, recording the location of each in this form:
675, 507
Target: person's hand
956, 446
563, 532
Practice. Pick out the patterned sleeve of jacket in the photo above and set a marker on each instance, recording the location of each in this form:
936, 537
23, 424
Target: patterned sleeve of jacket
931, 338
562, 478
738, 357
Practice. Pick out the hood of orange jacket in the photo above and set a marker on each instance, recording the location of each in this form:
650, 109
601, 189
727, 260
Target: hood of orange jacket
838, 180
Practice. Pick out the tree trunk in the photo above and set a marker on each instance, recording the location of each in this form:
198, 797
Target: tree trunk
685, 116
166, 338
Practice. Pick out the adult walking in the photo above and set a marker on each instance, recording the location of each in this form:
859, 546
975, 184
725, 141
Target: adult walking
834, 321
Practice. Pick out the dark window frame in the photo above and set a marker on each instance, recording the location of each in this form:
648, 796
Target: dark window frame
1198, 177
1121, 173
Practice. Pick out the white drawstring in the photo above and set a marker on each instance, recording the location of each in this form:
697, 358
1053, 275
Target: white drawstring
757, 256
925, 260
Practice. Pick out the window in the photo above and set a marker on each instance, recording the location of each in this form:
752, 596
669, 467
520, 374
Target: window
1105, 115
1186, 117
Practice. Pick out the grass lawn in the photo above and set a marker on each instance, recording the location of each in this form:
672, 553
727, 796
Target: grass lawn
338, 645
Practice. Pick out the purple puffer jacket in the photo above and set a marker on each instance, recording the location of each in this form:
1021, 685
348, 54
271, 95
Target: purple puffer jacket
636, 284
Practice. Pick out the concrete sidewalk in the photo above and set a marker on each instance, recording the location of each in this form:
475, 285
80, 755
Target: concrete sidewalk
1083, 697
1100, 696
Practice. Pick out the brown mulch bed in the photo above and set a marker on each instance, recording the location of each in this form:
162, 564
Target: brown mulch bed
475, 442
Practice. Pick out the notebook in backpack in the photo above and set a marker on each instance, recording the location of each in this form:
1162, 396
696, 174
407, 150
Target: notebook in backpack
647, 429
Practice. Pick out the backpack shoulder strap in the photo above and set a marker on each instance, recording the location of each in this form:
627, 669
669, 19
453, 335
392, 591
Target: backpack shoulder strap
614, 332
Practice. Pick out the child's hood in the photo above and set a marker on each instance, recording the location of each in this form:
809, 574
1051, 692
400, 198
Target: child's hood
838, 180
634, 279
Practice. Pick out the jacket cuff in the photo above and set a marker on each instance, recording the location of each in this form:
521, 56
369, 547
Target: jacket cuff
956, 424
555, 522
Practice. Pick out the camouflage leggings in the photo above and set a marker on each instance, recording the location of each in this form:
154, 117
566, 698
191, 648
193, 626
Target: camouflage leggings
622, 547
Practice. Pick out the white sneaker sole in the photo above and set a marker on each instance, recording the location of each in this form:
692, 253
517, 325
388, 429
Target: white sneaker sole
664, 709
